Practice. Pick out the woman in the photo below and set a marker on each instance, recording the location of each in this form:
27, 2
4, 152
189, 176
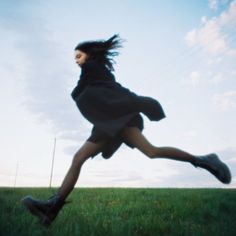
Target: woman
114, 112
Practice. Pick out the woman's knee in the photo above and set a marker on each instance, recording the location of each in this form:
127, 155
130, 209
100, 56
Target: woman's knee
79, 158
88, 150
148, 150
138, 140
151, 152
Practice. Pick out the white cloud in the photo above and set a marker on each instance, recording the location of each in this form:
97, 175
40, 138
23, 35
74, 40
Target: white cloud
191, 37
215, 60
214, 4
218, 78
194, 79
225, 101
228, 17
204, 19
45, 69
208, 37
231, 53
213, 36
197, 78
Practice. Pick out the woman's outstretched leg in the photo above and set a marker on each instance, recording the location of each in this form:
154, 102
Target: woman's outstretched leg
210, 162
134, 136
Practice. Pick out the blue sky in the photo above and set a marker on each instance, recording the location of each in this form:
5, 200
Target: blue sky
182, 53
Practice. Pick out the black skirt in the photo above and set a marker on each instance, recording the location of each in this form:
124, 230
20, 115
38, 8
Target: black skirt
111, 107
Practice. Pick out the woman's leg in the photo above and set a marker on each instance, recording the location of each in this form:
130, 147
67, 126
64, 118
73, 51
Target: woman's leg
135, 136
210, 162
86, 151
47, 211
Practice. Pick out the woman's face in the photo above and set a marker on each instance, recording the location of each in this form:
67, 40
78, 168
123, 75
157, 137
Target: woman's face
80, 57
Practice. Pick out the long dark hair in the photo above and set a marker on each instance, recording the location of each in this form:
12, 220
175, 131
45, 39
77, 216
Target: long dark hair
102, 50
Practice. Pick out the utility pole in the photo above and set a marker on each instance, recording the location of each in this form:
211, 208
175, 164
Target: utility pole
53, 156
17, 166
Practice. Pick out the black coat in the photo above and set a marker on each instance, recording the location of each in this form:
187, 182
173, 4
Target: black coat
110, 107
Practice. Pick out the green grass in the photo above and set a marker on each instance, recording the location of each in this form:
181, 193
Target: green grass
121, 211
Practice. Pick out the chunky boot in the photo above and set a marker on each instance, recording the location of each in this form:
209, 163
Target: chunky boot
214, 165
46, 211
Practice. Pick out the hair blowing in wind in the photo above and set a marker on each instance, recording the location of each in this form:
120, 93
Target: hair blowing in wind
102, 51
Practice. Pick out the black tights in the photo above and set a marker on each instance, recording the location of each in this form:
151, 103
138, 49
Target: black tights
132, 135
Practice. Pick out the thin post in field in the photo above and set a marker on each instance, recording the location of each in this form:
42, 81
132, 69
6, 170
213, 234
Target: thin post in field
53, 156
17, 166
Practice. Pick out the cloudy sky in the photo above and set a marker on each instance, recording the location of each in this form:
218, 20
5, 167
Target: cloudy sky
182, 53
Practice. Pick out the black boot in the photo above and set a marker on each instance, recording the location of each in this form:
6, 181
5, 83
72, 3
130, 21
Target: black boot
214, 165
46, 211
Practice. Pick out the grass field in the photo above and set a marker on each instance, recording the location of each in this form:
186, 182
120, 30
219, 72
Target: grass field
121, 211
